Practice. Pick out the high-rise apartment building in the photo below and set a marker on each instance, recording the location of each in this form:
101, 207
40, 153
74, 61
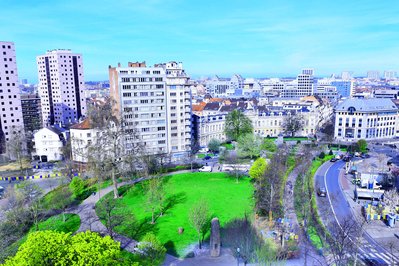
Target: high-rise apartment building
10, 102
389, 74
347, 75
157, 102
31, 112
373, 75
305, 83
61, 87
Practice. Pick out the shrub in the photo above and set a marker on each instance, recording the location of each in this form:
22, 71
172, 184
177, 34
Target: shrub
77, 186
322, 155
330, 152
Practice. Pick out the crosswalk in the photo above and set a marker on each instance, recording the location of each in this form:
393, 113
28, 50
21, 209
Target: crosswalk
367, 251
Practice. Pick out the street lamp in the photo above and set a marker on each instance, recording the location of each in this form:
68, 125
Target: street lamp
238, 256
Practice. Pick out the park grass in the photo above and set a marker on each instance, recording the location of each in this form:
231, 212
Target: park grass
227, 200
15, 166
228, 146
202, 155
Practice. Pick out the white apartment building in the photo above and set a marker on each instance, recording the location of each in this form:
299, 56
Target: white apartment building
49, 142
347, 75
373, 75
61, 87
82, 135
10, 102
368, 119
156, 102
389, 74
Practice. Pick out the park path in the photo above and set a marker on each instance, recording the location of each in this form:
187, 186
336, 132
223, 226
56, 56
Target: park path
312, 257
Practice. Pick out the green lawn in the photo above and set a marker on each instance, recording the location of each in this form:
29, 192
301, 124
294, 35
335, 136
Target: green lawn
228, 146
202, 155
227, 200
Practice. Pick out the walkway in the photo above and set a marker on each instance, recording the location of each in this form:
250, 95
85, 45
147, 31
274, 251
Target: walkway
90, 221
312, 257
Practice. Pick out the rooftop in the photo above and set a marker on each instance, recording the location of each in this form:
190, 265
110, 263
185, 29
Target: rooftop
367, 105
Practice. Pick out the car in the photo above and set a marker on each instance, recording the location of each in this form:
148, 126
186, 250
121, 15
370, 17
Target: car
205, 169
356, 181
321, 192
375, 262
333, 160
346, 159
365, 155
357, 154
207, 157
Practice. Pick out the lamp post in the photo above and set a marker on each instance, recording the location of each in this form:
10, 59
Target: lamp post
238, 256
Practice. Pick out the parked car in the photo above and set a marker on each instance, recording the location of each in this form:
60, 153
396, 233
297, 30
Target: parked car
207, 157
365, 155
321, 192
333, 160
205, 169
347, 159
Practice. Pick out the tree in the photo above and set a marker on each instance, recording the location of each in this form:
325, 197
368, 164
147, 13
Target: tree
108, 150
61, 199
110, 210
152, 249
269, 145
214, 145
233, 162
292, 124
17, 146
155, 196
362, 145
258, 168
237, 124
77, 187
199, 219
249, 145
58, 248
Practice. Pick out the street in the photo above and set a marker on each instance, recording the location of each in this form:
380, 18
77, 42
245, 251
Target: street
328, 176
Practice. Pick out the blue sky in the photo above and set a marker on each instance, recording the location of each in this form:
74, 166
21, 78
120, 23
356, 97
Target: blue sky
252, 38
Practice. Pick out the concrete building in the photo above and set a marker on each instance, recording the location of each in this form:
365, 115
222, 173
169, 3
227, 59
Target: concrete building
156, 102
368, 119
82, 135
32, 112
61, 87
347, 75
49, 142
387, 94
373, 75
11, 119
389, 75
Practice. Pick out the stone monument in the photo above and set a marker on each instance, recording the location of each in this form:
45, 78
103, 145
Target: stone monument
215, 238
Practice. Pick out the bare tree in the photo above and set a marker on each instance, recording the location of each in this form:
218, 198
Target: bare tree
17, 146
199, 219
293, 123
110, 211
61, 200
155, 197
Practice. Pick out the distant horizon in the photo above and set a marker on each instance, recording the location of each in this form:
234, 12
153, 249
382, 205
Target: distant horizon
253, 39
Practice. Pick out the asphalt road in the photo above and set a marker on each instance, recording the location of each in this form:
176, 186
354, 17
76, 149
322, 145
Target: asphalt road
328, 176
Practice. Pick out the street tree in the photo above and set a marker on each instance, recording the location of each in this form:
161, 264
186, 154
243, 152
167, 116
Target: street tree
237, 124
258, 168
293, 124
214, 145
234, 163
249, 145
362, 145
199, 219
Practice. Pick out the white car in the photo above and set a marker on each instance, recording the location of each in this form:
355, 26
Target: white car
205, 169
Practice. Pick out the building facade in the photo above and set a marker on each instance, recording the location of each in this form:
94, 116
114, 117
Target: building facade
82, 136
368, 119
32, 112
11, 119
156, 103
61, 87
49, 142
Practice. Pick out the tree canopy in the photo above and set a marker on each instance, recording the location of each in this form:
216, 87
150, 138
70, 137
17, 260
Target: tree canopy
58, 248
249, 145
292, 124
237, 124
362, 145
258, 168
214, 145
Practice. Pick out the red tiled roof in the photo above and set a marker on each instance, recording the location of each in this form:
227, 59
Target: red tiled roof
85, 124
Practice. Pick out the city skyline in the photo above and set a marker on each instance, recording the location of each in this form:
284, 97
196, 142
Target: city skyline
260, 40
